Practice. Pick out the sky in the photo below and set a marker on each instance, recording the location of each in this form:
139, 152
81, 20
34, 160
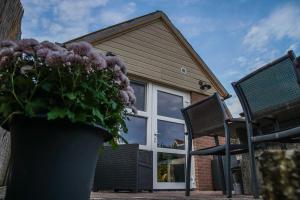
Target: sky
233, 37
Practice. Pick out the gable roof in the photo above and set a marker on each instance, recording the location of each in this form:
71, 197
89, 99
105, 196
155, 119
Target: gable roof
121, 28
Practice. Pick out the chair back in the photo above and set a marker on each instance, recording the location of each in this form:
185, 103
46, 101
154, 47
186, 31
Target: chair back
205, 117
269, 90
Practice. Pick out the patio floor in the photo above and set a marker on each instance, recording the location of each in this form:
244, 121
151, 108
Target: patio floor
165, 195
156, 195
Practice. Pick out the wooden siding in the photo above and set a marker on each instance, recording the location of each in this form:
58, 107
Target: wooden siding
11, 12
152, 52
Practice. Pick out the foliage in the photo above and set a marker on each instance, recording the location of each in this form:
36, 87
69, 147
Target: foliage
75, 82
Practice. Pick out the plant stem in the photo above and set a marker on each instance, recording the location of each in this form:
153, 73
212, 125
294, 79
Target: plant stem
13, 87
36, 85
61, 85
9, 116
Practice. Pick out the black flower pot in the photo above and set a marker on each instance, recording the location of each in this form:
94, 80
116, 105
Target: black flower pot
52, 160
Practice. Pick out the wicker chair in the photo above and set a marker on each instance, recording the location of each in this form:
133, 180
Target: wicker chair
273, 93
208, 118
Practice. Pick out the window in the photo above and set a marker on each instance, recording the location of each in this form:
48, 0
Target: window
170, 135
169, 105
137, 124
140, 93
137, 130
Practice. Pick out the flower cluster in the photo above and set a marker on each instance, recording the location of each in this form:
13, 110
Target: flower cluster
81, 53
73, 81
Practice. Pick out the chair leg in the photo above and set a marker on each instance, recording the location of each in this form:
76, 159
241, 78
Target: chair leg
222, 175
228, 161
221, 167
253, 174
228, 172
188, 176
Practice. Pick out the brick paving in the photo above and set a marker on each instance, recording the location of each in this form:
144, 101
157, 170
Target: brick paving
161, 195
165, 195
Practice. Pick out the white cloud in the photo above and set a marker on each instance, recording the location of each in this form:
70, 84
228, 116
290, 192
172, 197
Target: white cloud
230, 73
62, 20
293, 46
109, 17
234, 106
282, 23
195, 25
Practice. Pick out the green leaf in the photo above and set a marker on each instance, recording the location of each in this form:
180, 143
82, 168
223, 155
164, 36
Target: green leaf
57, 113
5, 109
71, 115
114, 105
71, 95
81, 117
97, 113
46, 86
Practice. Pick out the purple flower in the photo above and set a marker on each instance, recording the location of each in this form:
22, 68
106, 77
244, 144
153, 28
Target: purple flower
51, 46
111, 61
17, 54
124, 81
74, 58
28, 45
130, 89
134, 109
124, 96
42, 53
55, 58
8, 44
117, 68
81, 48
4, 61
97, 59
132, 98
6, 52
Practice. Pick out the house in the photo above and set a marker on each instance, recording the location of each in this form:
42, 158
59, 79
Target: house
167, 75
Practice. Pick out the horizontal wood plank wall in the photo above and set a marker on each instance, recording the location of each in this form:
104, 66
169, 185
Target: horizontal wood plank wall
11, 13
153, 53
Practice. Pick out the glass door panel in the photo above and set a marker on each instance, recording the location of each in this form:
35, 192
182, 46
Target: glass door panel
170, 135
169, 143
169, 105
170, 167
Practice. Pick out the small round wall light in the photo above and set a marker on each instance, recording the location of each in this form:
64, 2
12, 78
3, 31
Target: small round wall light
183, 70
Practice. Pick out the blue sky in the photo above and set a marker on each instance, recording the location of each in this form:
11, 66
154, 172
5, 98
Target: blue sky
233, 37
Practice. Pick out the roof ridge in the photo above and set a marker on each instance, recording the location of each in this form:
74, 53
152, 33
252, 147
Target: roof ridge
159, 12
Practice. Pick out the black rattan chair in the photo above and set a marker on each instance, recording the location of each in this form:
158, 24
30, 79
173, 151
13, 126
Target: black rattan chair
271, 92
208, 118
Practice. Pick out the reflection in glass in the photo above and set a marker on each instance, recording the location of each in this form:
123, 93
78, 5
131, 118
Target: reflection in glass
170, 135
170, 167
139, 91
169, 105
137, 130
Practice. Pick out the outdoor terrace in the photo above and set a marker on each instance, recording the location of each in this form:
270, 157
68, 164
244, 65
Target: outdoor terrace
157, 195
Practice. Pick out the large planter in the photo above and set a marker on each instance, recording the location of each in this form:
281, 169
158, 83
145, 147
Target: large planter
52, 160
